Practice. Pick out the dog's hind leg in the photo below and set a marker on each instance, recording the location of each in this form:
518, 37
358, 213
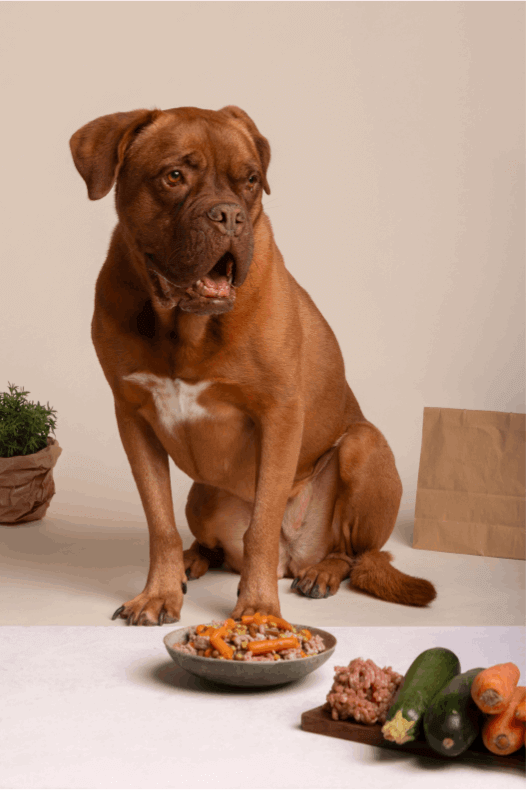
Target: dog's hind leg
370, 499
198, 559
317, 573
218, 521
324, 578
365, 511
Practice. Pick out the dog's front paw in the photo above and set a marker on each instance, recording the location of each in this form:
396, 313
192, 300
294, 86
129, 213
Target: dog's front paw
249, 606
152, 609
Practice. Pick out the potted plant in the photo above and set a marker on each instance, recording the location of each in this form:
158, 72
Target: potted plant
27, 456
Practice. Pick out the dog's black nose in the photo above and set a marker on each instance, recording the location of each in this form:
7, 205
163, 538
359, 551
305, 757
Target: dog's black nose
229, 218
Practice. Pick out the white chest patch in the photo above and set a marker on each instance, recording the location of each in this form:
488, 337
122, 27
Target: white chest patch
175, 401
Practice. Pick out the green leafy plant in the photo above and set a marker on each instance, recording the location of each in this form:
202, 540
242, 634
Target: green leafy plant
24, 425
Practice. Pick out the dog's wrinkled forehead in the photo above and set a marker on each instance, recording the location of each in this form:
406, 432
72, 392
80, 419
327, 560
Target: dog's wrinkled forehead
197, 139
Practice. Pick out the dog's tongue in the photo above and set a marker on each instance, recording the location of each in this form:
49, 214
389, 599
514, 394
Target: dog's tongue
216, 287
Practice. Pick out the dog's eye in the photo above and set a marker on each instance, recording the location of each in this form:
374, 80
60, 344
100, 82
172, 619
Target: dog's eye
174, 177
252, 180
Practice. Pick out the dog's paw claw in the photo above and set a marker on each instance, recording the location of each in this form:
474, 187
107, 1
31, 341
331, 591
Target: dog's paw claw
150, 610
117, 612
315, 592
184, 588
295, 583
305, 585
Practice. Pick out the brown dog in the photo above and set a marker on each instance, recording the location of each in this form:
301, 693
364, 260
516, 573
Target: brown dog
219, 359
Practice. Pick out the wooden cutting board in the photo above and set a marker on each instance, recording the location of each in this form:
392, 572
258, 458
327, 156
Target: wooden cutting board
320, 721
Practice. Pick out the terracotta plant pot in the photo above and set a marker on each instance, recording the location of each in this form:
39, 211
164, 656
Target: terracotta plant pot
27, 485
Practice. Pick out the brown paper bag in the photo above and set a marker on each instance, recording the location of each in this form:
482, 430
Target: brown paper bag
27, 485
470, 497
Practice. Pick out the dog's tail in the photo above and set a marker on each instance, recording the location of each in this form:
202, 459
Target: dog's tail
372, 572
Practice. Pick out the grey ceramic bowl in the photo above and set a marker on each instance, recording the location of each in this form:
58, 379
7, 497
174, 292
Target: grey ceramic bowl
246, 673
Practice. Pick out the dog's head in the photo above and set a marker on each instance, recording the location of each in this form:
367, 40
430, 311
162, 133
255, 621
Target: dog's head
189, 184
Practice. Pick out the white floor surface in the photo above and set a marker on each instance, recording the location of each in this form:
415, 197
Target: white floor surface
90, 554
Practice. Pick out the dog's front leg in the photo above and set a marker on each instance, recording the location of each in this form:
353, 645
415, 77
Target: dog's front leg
162, 598
280, 442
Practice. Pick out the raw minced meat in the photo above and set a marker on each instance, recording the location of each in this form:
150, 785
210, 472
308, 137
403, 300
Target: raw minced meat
363, 692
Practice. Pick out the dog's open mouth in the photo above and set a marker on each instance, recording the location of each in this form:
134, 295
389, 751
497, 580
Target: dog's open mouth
217, 284
214, 292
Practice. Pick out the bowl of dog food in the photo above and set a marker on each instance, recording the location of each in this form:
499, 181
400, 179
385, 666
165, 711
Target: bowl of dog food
258, 650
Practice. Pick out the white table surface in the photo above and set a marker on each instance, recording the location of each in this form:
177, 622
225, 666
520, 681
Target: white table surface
95, 707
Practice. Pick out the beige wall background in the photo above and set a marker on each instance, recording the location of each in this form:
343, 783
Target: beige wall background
397, 180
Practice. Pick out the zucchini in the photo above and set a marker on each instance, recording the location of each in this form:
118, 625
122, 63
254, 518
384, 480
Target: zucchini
453, 721
429, 672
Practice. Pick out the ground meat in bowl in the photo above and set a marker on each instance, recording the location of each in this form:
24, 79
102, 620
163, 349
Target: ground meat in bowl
253, 638
363, 692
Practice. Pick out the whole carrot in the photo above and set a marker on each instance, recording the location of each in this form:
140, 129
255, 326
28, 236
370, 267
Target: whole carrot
205, 630
280, 622
217, 641
493, 688
503, 733
262, 646
257, 618
260, 619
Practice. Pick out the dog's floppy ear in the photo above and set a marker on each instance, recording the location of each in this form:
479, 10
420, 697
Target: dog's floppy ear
262, 144
98, 147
